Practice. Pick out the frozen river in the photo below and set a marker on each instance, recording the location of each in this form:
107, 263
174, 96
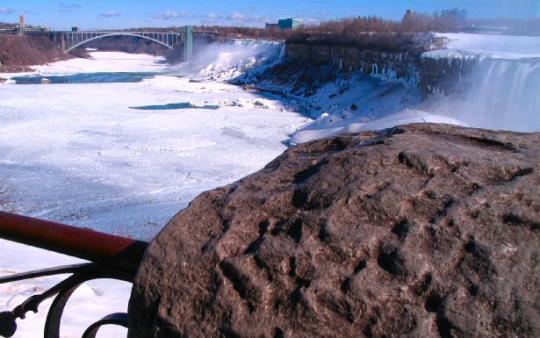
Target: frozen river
125, 157
118, 144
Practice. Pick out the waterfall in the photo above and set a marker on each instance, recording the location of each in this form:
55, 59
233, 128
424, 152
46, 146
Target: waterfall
497, 94
497, 80
503, 94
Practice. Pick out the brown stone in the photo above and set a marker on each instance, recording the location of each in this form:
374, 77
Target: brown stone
416, 231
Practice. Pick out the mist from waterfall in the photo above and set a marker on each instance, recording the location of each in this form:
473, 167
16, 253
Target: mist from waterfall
229, 59
500, 94
501, 89
506, 95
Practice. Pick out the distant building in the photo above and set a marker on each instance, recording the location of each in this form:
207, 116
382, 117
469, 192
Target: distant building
74, 29
272, 26
285, 24
290, 23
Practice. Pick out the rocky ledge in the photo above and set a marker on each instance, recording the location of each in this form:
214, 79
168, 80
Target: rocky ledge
416, 231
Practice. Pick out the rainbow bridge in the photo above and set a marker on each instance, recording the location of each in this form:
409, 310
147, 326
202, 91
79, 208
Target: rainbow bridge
183, 39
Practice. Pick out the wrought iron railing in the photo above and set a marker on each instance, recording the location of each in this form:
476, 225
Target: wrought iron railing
109, 257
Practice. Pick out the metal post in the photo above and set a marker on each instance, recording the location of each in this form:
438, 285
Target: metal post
188, 42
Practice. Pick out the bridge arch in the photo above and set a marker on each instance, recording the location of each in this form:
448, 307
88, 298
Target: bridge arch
118, 34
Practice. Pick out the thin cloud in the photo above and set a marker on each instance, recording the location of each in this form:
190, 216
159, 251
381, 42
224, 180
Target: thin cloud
68, 8
5, 11
235, 18
239, 18
168, 15
110, 14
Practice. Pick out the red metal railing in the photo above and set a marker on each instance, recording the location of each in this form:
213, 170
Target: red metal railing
112, 251
111, 256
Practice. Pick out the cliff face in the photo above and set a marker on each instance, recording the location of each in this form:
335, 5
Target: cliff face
349, 59
444, 76
429, 75
417, 231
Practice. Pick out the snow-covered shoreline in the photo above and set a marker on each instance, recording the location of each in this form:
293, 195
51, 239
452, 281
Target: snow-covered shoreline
98, 61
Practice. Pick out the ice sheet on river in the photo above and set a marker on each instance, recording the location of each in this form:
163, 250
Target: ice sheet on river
86, 158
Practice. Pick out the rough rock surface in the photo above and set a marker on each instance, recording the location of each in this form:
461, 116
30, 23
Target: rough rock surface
417, 231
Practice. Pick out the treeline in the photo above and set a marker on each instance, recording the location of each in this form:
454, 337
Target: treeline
413, 22
369, 32
247, 32
6, 25
18, 52
380, 34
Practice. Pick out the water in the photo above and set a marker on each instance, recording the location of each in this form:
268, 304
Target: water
503, 94
98, 77
174, 106
499, 94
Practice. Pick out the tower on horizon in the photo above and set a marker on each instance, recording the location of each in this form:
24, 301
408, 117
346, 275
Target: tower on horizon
22, 24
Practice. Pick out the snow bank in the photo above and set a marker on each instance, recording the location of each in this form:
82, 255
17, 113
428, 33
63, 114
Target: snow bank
324, 128
361, 103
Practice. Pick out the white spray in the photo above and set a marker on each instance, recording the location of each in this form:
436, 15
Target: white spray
503, 89
228, 60
501, 94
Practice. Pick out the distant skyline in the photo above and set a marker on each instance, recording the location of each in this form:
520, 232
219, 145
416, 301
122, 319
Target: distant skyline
163, 13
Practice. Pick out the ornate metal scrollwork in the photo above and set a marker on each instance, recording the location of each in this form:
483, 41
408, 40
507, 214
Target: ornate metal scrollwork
111, 257
62, 292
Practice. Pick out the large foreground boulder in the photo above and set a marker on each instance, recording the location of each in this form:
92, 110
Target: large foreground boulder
417, 231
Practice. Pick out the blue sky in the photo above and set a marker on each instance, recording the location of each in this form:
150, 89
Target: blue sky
137, 13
